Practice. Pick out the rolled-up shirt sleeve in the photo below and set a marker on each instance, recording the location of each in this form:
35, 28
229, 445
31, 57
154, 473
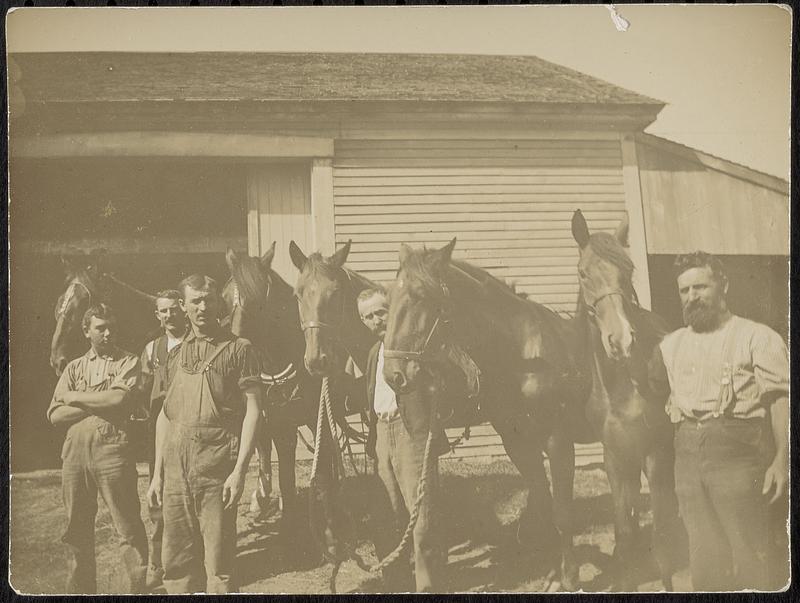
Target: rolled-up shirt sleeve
249, 366
770, 363
66, 383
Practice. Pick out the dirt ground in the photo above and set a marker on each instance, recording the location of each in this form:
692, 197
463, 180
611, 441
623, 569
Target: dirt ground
482, 502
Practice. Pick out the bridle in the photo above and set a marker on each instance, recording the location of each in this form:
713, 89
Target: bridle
69, 294
591, 306
424, 353
307, 325
237, 300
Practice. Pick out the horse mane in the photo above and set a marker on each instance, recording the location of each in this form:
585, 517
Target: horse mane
418, 266
250, 279
607, 247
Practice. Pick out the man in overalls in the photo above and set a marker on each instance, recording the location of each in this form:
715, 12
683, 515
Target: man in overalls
729, 382
172, 320
205, 436
93, 399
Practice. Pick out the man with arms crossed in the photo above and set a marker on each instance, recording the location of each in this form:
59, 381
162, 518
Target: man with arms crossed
153, 361
93, 399
729, 381
205, 436
397, 441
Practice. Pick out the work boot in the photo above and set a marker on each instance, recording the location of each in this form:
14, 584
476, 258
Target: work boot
155, 578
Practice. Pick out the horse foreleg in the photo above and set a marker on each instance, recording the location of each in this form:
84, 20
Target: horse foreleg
659, 468
284, 435
260, 497
623, 470
561, 452
522, 445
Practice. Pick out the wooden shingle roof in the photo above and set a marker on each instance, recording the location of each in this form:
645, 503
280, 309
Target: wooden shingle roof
77, 77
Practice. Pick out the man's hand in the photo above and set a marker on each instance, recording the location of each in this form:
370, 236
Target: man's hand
777, 478
155, 490
233, 488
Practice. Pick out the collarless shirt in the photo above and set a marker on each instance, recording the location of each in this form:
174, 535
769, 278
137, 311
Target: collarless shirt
116, 369
746, 357
234, 370
385, 400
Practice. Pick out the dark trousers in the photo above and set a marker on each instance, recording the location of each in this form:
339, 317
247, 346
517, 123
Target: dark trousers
199, 544
399, 461
719, 474
97, 458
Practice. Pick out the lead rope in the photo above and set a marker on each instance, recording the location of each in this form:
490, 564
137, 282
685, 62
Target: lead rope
326, 411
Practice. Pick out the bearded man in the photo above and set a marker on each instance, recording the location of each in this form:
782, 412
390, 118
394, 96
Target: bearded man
729, 395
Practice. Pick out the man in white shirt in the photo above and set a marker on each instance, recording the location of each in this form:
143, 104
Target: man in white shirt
153, 362
398, 432
728, 379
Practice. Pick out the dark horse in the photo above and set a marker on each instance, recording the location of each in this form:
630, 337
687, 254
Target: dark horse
87, 284
626, 414
326, 297
261, 308
532, 388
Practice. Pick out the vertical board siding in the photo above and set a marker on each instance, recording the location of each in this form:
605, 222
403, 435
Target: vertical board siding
279, 210
509, 202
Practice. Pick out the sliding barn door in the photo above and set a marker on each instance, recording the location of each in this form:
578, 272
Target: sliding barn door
279, 209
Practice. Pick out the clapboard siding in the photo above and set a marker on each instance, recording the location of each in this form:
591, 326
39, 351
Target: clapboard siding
509, 202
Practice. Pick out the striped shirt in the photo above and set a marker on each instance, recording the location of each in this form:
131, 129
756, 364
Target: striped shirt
740, 367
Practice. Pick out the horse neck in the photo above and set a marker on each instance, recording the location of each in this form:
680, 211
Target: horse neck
482, 316
356, 337
134, 310
284, 331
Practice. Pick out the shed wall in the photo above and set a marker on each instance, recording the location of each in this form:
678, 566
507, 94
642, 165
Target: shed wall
509, 203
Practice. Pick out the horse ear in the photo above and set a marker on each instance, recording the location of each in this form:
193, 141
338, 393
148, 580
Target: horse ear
580, 231
299, 259
622, 231
444, 254
231, 259
340, 257
269, 255
405, 252
67, 264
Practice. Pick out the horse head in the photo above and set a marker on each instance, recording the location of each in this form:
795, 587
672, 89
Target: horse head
246, 295
418, 307
83, 288
326, 304
605, 273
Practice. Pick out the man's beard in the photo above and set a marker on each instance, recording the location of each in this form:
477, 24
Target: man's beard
701, 317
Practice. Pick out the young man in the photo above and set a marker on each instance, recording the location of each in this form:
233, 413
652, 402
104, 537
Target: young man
153, 362
93, 399
729, 381
397, 442
205, 436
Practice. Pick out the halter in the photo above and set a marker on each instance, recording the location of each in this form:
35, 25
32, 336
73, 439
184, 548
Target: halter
419, 355
592, 306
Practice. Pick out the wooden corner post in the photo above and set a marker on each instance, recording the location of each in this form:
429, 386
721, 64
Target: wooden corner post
324, 235
637, 236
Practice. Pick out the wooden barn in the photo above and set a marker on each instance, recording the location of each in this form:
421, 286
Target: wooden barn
166, 159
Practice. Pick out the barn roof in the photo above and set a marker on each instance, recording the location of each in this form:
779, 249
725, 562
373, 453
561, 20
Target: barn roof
112, 76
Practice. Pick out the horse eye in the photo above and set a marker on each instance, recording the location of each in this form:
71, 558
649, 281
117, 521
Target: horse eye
581, 273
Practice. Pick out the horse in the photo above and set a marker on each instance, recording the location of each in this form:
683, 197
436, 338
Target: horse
326, 295
532, 387
260, 306
627, 415
88, 284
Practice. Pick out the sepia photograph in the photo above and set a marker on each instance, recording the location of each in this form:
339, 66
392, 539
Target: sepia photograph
430, 299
